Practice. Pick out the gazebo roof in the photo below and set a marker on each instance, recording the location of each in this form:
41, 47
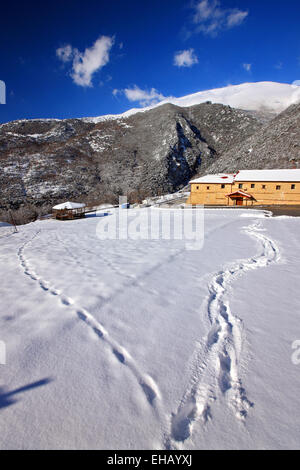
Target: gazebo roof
69, 205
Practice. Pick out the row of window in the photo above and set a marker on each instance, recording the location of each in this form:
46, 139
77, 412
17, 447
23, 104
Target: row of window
263, 186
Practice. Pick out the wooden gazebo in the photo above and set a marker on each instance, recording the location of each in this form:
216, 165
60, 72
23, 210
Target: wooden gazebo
68, 211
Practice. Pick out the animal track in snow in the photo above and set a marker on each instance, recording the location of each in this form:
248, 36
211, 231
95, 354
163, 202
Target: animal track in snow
216, 363
146, 383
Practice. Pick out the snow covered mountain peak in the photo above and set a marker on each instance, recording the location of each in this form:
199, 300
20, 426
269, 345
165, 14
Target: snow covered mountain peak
269, 97
259, 96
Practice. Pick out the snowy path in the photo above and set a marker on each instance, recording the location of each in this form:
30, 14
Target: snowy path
217, 367
138, 339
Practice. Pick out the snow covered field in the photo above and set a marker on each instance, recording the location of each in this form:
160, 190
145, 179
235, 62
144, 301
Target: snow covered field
146, 345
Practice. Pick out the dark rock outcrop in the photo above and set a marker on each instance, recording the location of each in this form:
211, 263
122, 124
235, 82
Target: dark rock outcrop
275, 145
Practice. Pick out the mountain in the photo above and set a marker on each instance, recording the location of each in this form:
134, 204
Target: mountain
150, 151
261, 96
46, 161
275, 145
265, 97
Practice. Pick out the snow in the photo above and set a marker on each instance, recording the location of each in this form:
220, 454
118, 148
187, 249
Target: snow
143, 344
242, 193
4, 224
268, 175
222, 178
53, 133
109, 117
5, 229
167, 198
69, 205
250, 175
254, 96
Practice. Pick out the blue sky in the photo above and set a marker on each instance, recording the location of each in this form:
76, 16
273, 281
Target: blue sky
88, 58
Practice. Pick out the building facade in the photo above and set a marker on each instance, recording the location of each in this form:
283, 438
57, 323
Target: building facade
247, 188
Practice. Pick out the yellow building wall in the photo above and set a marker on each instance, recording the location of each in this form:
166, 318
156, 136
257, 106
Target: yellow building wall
214, 194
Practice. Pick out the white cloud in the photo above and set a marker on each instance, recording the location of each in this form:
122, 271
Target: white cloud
210, 18
205, 10
236, 17
296, 82
65, 53
185, 58
247, 67
143, 97
85, 64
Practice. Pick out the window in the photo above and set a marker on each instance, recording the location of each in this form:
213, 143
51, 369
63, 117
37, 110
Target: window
278, 188
197, 187
263, 186
241, 186
252, 185
222, 186
293, 186
207, 187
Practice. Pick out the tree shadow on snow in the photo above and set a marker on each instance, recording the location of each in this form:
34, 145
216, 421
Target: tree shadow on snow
8, 398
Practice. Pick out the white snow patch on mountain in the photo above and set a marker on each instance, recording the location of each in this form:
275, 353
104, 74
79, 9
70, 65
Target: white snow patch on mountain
260, 96
257, 96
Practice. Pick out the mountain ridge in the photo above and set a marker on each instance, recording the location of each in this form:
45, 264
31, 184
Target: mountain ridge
275, 145
148, 153
158, 151
266, 97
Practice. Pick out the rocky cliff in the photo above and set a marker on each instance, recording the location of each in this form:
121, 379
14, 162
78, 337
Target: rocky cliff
275, 145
